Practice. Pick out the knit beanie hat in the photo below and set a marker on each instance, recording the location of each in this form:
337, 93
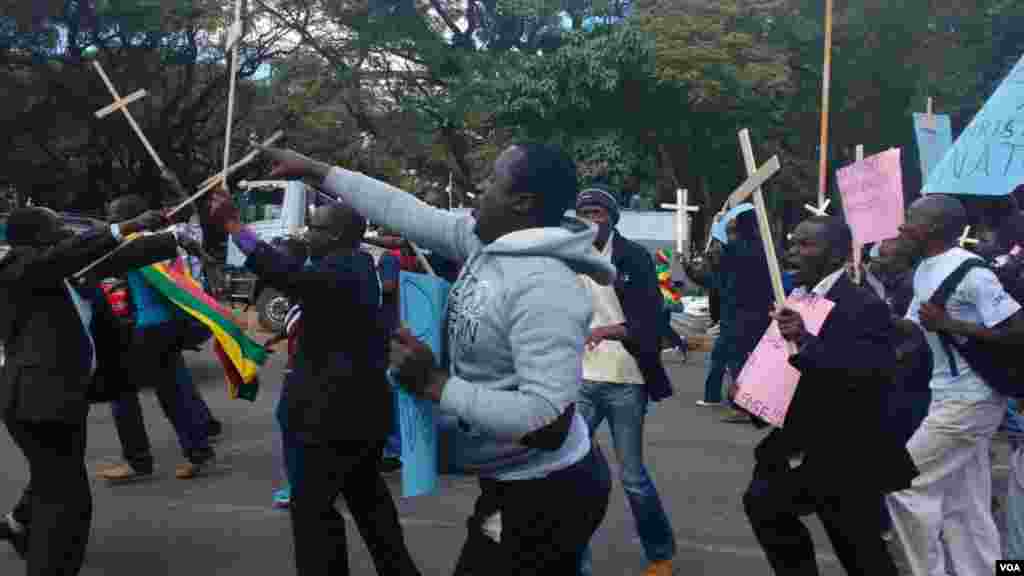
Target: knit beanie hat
600, 196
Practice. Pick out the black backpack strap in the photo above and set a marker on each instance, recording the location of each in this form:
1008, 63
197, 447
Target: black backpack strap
941, 297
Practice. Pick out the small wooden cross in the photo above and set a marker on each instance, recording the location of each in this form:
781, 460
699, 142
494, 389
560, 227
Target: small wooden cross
929, 117
819, 211
681, 207
965, 239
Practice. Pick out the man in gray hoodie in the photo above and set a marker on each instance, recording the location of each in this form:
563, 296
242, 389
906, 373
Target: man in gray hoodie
516, 323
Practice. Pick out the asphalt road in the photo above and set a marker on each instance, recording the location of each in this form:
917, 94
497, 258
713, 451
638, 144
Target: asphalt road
224, 524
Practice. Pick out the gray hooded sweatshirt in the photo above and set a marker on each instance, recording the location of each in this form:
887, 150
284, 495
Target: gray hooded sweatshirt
516, 321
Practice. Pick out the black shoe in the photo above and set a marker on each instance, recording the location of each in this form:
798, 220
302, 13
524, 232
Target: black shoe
18, 540
214, 430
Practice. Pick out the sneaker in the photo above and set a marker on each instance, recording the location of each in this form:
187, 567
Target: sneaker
659, 568
737, 417
14, 533
706, 404
283, 497
122, 473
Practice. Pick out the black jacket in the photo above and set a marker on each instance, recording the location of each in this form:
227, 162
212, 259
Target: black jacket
45, 377
836, 417
636, 286
338, 390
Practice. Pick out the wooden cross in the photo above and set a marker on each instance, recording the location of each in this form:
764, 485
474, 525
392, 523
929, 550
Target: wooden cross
819, 211
681, 207
965, 240
122, 105
234, 35
205, 187
762, 219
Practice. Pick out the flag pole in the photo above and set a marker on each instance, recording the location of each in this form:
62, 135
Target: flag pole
825, 85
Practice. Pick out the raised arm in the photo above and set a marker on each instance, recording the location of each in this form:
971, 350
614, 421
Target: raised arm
437, 230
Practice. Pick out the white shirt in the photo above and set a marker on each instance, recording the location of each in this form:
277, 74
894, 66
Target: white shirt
979, 299
608, 361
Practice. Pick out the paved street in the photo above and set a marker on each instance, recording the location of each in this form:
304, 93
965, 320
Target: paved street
223, 524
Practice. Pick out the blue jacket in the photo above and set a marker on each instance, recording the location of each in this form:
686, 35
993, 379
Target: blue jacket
637, 289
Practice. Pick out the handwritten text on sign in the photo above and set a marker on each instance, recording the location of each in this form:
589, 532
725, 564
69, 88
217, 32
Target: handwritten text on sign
872, 192
988, 157
767, 382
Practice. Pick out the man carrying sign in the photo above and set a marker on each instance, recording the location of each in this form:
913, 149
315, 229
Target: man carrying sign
804, 468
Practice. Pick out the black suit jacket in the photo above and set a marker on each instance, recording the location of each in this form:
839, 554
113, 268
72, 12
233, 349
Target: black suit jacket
338, 390
46, 375
636, 286
836, 416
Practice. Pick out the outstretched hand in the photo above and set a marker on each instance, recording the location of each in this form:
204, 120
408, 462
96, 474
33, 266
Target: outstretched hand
149, 220
223, 209
291, 164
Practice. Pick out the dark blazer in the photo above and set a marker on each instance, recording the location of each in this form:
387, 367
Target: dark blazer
45, 377
636, 286
836, 417
338, 390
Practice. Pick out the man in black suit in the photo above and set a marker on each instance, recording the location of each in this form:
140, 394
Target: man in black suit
339, 402
62, 352
808, 467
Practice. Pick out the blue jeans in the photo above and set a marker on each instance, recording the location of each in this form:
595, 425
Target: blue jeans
715, 372
1014, 425
393, 446
625, 406
290, 442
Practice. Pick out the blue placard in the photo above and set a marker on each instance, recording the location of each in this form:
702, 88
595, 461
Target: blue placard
422, 299
988, 157
932, 141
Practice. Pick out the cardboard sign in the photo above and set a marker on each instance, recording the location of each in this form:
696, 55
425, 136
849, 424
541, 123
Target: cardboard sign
988, 157
766, 385
932, 141
422, 299
872, 193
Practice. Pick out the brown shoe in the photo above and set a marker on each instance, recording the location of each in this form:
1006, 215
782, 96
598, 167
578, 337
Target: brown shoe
660, 568
121, 473
189, 470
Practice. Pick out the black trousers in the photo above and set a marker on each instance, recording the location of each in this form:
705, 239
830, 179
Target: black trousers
545, 523
318, 529
778, 497
56, 506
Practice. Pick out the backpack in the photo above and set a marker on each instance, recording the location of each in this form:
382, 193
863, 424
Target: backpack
117, 293
1001, 366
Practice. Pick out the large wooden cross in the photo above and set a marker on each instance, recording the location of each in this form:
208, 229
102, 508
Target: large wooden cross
122, 105
682, 207
762, 213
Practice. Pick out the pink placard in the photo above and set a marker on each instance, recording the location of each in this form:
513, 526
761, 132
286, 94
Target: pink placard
872, 192
767, 382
